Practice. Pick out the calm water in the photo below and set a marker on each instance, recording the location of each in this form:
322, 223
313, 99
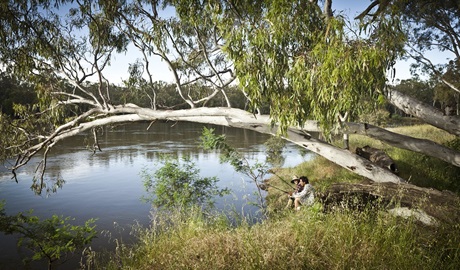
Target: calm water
107, 185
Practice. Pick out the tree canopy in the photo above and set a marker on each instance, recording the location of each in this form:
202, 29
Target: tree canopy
296, 60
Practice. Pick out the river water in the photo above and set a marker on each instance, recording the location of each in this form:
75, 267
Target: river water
107, 185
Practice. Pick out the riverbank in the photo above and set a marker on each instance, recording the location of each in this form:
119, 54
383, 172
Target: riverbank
306, 239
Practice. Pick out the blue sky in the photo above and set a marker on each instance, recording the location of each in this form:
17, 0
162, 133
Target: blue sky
119, 68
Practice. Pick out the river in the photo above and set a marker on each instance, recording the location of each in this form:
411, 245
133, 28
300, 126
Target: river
107, 185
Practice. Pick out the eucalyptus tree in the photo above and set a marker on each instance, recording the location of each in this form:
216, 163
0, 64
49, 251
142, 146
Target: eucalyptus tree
41, 46
428, 25
433, 25
296, 57
190, 44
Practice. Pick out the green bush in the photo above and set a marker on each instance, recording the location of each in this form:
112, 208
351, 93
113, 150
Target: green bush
50, 239
178, 184
311, 238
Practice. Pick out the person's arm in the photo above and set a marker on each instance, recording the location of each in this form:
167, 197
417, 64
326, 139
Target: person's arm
302, 193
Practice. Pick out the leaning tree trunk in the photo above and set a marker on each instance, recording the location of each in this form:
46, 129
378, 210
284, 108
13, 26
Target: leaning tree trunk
242, 119
423, 146
227, 117
341, 157
428, 205
428, 114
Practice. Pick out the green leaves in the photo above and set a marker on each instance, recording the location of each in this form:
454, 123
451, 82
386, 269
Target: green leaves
177, 184
49, 239
308, 67
211, 141
256, 171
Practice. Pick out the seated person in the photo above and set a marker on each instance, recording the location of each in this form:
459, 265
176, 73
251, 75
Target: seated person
295, 180
306, 196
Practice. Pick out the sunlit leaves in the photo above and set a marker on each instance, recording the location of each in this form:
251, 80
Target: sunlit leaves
307, 67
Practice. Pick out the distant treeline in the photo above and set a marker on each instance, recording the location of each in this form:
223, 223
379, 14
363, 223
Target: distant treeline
12, 91
164, 95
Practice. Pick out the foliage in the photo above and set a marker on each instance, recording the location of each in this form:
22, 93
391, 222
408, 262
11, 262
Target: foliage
380, 117
256, 172
421, 90
177, 184
313, 71
51, 239
211, 141
444, 93
308, 239
13, 92
431, 25
274, 151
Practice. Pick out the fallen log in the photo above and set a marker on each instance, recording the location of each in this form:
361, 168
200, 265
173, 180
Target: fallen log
429, 206
378, 157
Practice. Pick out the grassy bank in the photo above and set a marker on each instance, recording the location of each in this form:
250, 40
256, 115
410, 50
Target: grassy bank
306, 239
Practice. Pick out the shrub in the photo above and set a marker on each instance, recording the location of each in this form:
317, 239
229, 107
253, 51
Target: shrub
50, 239
178, 184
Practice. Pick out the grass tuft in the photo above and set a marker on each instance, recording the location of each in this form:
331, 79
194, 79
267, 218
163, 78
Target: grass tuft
306, 239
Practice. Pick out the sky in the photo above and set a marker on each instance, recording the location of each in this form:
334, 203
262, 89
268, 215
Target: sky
119, 68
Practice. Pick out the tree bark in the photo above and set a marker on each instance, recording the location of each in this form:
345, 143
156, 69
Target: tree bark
234, 118
430, 206
428, 114
344, 158
377, 156
423, 146
242, 119
341, 157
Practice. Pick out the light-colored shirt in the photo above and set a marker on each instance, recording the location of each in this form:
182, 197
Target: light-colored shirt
307, 195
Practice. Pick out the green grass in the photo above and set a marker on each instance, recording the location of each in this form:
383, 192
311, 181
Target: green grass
417, 168
306, 239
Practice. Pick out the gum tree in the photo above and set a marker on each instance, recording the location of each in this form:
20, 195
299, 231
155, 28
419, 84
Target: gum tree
297, 57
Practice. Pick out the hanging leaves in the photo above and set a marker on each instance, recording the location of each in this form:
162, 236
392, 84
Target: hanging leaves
306, 67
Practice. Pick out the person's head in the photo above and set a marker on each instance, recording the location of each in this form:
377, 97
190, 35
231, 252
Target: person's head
295, 180
304, 180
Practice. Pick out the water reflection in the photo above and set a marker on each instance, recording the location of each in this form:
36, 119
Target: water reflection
107, 185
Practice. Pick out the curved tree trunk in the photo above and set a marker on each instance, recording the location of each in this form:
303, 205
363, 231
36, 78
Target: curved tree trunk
242, 119
225, 117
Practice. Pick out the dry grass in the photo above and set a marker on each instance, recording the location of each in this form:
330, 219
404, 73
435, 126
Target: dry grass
425, 132
306, 239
